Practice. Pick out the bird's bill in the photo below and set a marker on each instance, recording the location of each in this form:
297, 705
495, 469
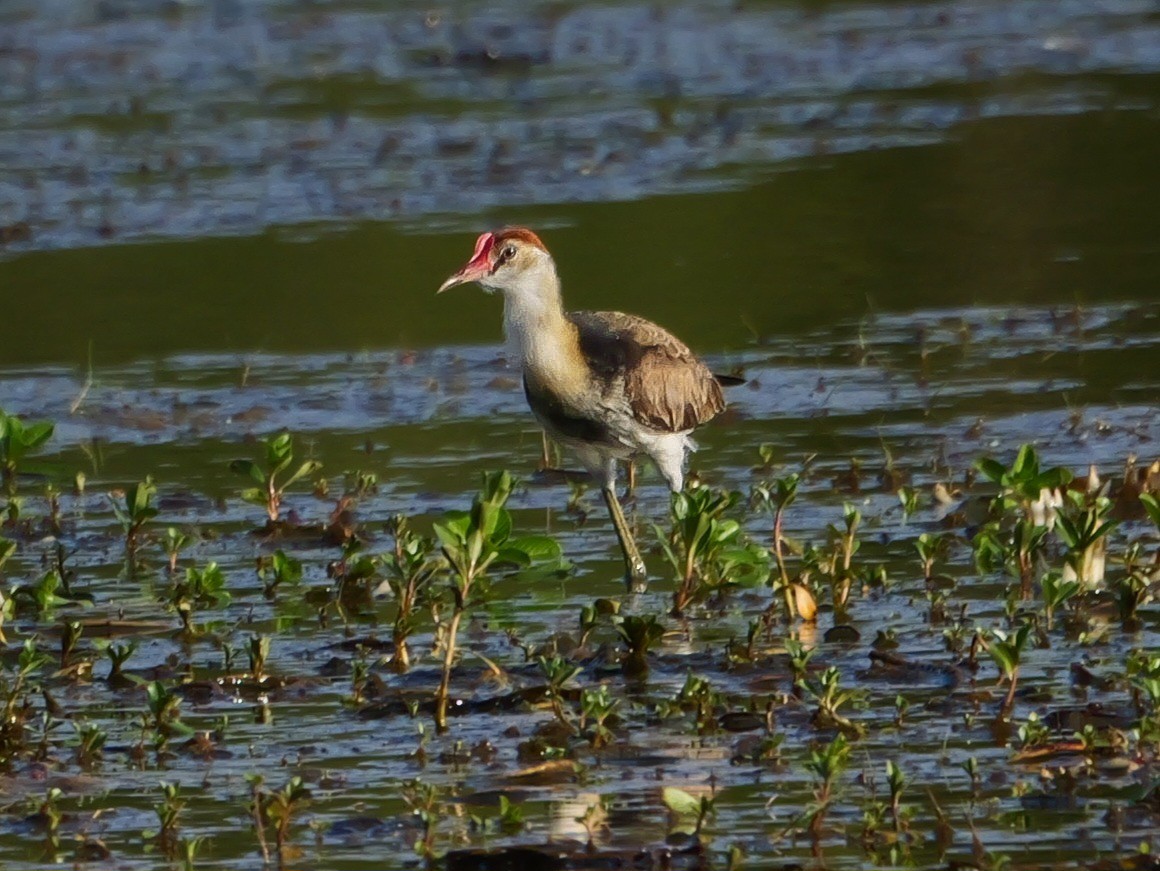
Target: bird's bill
479, 266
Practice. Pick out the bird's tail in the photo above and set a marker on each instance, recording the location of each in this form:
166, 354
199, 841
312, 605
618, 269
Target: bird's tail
728, 380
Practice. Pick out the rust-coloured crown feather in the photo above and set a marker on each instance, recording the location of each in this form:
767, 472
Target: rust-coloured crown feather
523, 234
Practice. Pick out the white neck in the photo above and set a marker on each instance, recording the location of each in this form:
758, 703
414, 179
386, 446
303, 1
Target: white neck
533, 316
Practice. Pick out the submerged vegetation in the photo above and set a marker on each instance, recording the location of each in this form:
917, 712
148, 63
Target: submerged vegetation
753, 638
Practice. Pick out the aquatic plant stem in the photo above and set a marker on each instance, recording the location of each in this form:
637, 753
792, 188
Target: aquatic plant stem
777, 546
401, 661
1009, 699
259, 811
445, 682
74, 407
787, 590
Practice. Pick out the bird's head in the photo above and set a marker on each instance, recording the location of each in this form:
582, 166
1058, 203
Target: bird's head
511, 260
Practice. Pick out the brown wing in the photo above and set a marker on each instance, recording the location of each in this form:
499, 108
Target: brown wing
666, 386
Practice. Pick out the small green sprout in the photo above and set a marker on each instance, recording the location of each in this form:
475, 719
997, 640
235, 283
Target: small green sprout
134, 510
271, 489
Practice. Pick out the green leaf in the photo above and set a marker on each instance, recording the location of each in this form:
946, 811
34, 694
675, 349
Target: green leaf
663, 541
16, 439
1104, 528
287, 569
37, 434
513, 556
248, 467
497, 487
254, 495
992, 469
137, 499
1068, 532
13, 441
7, 548
680, 802
726, 530
307, 468
537, 548
279, 453
746, 557
452, 529
1026, 463
1007, 648
1002, 656
1152, 505
492, 520
1053, 479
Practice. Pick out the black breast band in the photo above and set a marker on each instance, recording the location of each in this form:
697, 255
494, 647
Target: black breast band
563, 421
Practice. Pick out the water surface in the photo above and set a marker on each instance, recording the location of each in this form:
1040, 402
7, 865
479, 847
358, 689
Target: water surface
925, 232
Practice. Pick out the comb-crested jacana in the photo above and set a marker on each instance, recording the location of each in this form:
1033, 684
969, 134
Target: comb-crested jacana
610, 386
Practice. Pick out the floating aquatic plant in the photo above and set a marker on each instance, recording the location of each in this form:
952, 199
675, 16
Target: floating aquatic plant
175, 542
133, 510
201, 588
1007, 649
1083, 528
17, 440
639, 635
269, 476
277, 570
707, 550
472, 541
777, 498
411, 569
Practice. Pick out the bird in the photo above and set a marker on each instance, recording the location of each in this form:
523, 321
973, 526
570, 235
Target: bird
608, 386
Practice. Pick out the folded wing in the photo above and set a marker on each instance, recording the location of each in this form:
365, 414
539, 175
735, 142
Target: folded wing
667, 388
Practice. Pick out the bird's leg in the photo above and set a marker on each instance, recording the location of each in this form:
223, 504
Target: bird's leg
633, 564
546, 455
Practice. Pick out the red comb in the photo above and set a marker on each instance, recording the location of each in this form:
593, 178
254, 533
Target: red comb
483, 246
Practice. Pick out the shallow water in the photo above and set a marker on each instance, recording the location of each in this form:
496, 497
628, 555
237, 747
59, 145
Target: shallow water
924, 232
429, 424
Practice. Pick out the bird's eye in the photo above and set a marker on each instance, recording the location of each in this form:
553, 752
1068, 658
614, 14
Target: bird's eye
508, 253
